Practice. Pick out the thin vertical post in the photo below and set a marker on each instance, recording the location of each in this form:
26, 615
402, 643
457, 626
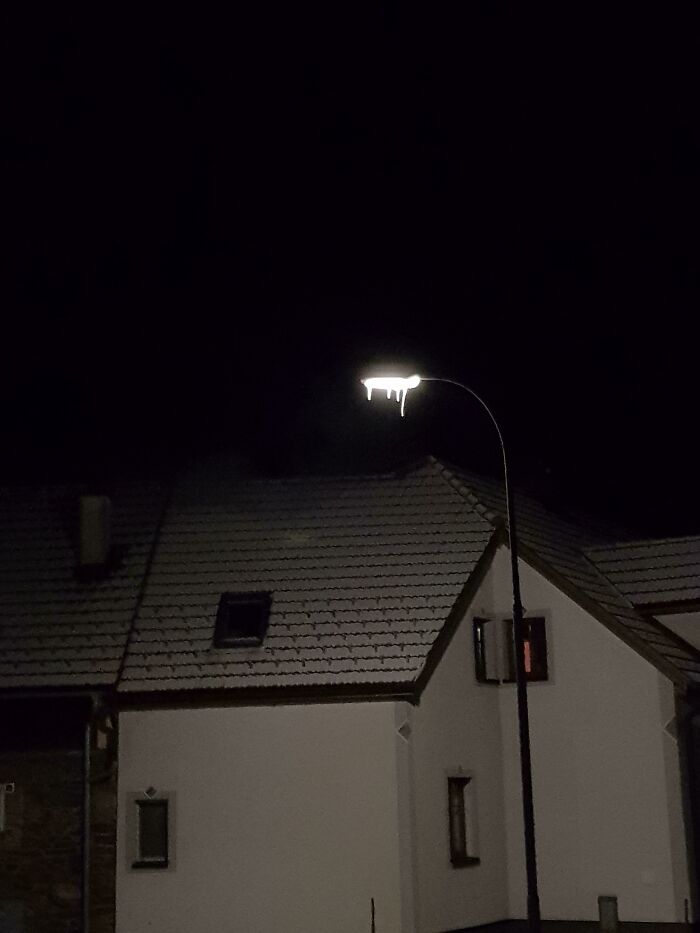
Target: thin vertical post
533, 900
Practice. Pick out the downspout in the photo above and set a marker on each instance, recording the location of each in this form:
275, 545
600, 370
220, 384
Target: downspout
86, 815
687, 710
93, 710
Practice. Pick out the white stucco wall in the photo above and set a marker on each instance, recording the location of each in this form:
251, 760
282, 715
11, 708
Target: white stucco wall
685, 624
456, 727
607, 787
287, 819
293, 817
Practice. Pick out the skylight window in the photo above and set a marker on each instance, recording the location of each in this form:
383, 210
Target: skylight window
242, 619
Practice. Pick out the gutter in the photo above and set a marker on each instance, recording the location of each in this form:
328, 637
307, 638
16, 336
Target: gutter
39, 694
264, 696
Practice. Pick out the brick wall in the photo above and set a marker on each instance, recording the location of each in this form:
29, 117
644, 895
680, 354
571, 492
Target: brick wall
41, 846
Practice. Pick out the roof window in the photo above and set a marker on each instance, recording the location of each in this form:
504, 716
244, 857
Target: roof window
242, 619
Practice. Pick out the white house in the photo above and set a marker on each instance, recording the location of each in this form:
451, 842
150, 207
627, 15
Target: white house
317, 724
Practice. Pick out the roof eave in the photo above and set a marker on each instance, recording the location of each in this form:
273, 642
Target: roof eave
200, 697
55, 691
669, 607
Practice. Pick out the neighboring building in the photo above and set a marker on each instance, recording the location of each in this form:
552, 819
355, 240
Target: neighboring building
660, 578
311, 683
69, 588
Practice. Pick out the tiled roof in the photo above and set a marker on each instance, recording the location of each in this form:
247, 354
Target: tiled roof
363, 573
559, 548
660, 571
56, 631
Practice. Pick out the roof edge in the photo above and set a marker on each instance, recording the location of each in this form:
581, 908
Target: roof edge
674, 673
669, 607
458, 611
453, 480
201, 697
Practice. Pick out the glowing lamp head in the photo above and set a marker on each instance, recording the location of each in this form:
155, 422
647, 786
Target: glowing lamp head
392, 384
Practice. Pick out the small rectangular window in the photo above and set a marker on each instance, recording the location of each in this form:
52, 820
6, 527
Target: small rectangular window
151, 834
534, 649
462, 821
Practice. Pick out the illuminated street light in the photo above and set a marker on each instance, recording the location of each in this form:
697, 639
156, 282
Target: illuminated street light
400, 386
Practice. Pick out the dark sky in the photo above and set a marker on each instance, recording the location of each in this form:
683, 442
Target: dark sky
212, 226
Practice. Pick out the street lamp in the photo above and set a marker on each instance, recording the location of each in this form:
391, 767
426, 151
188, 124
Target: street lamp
400, 386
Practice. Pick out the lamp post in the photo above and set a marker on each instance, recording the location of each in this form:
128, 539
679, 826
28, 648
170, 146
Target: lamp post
400, 387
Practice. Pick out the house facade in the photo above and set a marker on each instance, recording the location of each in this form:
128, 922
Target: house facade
313, 724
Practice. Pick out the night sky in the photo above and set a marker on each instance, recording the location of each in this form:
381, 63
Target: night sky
213, 227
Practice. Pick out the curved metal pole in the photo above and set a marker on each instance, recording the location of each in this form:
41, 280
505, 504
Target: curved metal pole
533, 901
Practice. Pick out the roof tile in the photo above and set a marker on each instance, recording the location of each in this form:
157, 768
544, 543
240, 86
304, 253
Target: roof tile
665, 570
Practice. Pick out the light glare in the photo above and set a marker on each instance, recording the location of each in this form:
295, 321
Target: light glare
392, 384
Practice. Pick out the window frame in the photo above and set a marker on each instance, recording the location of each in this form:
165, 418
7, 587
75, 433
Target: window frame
462, 820
135, 802
228, 600
541, 627
504, 644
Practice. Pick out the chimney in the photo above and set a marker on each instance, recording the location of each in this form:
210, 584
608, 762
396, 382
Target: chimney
95, 536
607, 912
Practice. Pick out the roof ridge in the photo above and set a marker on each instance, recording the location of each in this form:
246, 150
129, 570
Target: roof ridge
448, 475
397, 472
145, 580
414, 465
300, 479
